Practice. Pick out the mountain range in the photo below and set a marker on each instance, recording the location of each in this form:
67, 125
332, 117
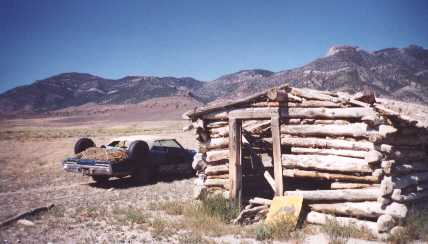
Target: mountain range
397, 73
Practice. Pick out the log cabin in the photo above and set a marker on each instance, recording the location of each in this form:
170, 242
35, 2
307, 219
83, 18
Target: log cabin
352, 159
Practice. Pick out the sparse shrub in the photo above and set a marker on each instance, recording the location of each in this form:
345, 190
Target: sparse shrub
282, 229
211, 219
337, 233
198, 220
218, 206
161, 228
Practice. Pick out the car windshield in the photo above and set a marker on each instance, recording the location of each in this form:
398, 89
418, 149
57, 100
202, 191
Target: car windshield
169, 143
117, 144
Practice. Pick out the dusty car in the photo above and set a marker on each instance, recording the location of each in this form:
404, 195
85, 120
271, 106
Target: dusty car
141, 157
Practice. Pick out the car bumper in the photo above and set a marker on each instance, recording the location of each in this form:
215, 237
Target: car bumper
96, 169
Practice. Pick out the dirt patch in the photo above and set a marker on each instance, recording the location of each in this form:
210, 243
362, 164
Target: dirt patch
31, 175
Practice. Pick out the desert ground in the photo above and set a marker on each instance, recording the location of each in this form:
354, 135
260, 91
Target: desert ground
31, 176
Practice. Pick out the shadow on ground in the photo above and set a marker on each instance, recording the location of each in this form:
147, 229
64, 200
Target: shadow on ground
128, 182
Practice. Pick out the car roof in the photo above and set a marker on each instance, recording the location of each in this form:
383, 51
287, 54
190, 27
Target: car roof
146, 138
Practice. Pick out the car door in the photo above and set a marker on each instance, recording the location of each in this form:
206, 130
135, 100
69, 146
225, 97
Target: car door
175, 152
158, 154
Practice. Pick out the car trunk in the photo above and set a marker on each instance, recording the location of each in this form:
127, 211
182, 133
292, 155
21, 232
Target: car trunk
101, 154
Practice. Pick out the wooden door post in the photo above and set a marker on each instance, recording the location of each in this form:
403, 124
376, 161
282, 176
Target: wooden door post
277, 161
235, 167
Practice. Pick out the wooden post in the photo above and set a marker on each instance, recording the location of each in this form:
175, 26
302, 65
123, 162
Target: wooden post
235, 169
277, 161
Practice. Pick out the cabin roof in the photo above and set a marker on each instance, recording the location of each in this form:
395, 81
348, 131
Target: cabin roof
341, 98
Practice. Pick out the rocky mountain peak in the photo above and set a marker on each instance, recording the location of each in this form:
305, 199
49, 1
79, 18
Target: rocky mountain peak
342, 49
399, 73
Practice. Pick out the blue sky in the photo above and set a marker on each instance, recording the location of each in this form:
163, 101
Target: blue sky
201, 39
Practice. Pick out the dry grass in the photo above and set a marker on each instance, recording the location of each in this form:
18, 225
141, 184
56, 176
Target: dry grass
340, 234
211, 217
130, 216
162, 228
170, 207
219, 207
194, 238
283, 229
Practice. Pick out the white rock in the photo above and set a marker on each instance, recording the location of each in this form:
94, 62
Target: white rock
25, 222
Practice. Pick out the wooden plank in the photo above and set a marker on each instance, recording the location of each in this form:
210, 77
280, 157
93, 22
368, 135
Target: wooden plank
327, 163
364, 209
25, 214
312, 94
270, 180
303, 113
216, 169
322, 151
348, 185
350, 130
324, 219
329, 176
217, 155
277, 157
253, 113
355, 195
204, 110
301, 104
327, 113
260, 201
235, 167
326, 143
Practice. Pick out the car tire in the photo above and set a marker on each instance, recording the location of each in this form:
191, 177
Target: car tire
82, 144
138, 151
100, 179
139, 154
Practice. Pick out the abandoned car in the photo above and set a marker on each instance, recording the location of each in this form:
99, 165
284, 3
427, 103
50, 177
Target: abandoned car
141, 157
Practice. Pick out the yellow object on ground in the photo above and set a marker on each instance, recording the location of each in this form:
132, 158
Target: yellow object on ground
285, 208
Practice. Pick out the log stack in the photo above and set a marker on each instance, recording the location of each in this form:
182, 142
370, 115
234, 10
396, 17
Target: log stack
372, 162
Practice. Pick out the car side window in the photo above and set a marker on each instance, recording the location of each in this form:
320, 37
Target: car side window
158, 146
170, 144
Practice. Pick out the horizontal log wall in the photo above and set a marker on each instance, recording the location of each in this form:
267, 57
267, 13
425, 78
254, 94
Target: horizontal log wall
375, 165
